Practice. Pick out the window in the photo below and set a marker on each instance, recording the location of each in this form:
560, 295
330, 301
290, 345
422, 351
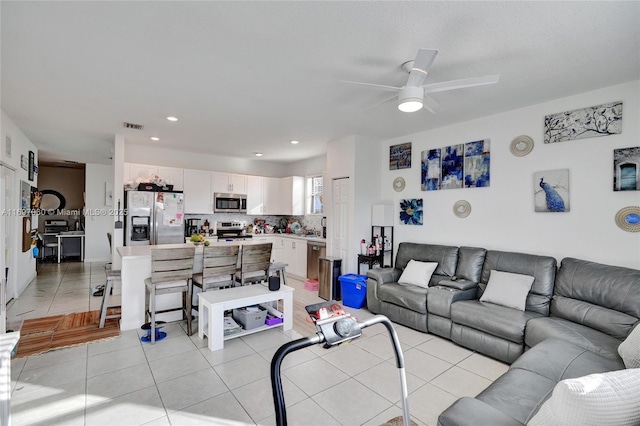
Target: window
314, 195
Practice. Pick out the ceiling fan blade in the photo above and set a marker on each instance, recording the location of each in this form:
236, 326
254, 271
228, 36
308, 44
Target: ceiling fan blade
380, 103
461, 84
422, 63
430, 104
376, 86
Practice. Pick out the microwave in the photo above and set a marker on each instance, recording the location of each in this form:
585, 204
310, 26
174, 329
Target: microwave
229, 203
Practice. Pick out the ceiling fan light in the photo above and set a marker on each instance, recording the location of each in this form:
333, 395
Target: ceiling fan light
410, 105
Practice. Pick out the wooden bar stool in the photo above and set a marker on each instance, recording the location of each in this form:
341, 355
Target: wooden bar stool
171, 272
112, 277
219, 264
255, 263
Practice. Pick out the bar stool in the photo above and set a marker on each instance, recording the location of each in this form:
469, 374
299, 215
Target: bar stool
255, 263
279, 268
112, 277
219, 264
171, 272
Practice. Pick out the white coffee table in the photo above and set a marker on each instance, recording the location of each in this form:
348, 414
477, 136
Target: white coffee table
213, 304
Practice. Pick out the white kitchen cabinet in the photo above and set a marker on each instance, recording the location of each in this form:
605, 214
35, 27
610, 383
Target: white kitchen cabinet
292, 195
295, 254
173, 176
132, 171
229, 183
255, 195
277, 250
271, 195
198, 196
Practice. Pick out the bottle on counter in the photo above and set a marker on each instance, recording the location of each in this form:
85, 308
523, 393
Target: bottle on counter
363, 247
205, 226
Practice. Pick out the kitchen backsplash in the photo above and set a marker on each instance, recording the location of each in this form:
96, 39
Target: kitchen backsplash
312, 222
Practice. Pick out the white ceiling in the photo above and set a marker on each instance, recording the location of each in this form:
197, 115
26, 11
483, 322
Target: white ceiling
251, 76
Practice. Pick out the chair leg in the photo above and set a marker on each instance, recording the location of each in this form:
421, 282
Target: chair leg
152, 309
105, 302
188, 307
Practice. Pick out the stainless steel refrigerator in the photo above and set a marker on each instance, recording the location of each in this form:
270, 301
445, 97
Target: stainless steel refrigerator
154, 218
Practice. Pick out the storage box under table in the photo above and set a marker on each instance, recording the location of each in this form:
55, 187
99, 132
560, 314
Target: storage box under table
250, 316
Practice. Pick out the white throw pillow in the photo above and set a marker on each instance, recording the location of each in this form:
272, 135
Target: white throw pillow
611, 398
418, 273
629, 350
507, 289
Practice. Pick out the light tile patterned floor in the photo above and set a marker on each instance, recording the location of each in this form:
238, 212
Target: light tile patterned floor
180, 382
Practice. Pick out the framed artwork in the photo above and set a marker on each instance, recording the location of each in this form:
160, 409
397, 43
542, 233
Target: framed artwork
32, 163
411, 211
25, 196
551, 191
35, 198
452, 164
626, 169
477, 159
400, 156
431, 170
601, 120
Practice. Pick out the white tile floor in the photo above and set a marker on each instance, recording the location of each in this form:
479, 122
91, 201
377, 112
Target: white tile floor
179, 381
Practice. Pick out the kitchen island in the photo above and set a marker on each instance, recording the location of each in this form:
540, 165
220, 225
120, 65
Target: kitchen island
136, 267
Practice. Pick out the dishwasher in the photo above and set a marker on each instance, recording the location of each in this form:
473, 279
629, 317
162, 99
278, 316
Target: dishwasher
315, 250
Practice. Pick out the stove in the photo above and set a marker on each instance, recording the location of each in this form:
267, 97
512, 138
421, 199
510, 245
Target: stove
234, 230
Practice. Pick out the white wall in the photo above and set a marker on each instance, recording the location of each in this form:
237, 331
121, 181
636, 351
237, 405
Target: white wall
96, 226
311, 167
502, 216
22, 266
188, 160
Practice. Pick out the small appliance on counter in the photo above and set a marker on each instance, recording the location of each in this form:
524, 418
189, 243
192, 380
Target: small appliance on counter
191, 227
234, 230
323, 223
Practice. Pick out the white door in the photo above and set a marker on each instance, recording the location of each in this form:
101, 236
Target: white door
340, 220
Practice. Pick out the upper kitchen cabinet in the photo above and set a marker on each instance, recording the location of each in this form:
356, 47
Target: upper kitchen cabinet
172, 176
255, 195
132, 171
229, 183
292, 195
271, 195
198, 196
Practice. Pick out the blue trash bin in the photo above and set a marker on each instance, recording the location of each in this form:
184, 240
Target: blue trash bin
354, 290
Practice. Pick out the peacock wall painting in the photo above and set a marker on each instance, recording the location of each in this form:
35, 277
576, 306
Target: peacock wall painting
551, 191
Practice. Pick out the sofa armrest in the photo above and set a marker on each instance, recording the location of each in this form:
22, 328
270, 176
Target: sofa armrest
459, 284
384, 275
472, 412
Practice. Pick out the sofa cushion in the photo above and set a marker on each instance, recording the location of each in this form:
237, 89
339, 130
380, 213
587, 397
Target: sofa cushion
470, 260
542, 268
629, 350
611, 398
445, 256
507, 289
496, 320
604, 290
540, 329
557, 359
418, 273
406, 295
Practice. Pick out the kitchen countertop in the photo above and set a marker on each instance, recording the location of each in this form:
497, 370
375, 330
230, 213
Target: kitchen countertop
131, 252
293, 237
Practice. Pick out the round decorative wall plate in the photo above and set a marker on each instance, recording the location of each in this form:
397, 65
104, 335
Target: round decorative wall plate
398, 184
521, 145
462, 208
628, 219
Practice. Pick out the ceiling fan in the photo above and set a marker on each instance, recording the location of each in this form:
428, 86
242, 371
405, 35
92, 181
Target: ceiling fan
414, 95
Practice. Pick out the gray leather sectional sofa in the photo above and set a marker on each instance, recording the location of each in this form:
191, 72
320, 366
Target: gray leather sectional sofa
575, 318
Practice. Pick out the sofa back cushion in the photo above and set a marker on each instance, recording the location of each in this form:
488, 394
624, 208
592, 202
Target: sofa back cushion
541, 268
470, 260
445, 256
603, 297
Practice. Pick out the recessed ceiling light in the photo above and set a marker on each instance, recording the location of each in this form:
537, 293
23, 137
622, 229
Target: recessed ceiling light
154, 138
171, 118
295, 142
258, 154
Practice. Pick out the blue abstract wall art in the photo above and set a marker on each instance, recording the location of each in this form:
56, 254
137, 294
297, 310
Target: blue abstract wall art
431, 171
551, 191
601, 120
465, 165
411, 211
452, 164
477, 159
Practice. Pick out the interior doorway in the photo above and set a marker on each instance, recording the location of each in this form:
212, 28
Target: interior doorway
340, 220
7, 257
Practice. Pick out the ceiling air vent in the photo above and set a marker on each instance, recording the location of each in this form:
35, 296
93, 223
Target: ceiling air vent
133, 126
